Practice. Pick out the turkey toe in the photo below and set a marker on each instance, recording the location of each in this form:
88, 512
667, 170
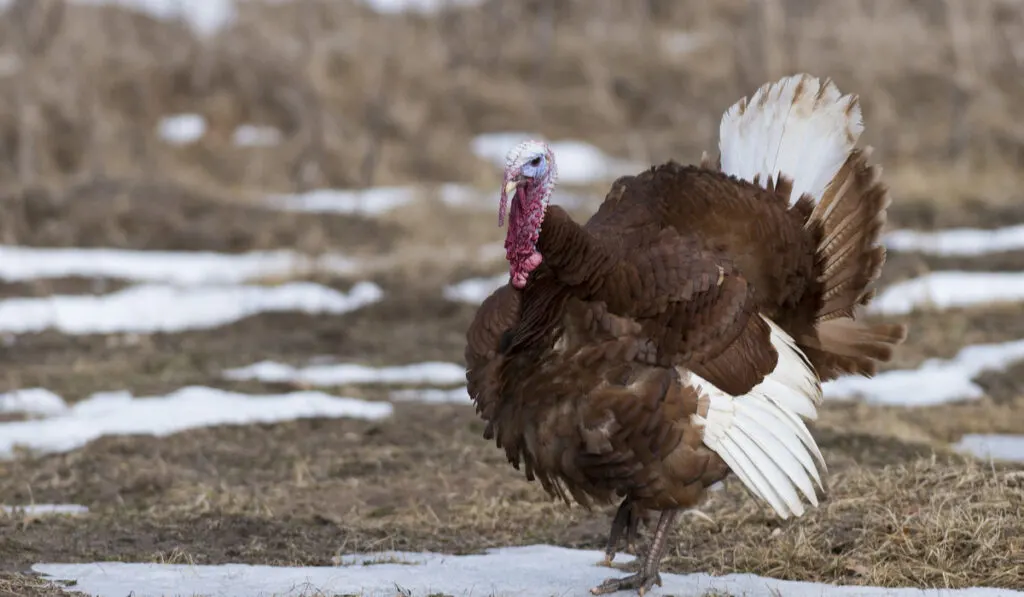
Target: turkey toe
640, 582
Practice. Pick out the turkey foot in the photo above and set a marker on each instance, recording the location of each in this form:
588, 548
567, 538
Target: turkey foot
648, 575
626, 521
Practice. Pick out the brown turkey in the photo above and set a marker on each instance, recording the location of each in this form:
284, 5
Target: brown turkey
684, 331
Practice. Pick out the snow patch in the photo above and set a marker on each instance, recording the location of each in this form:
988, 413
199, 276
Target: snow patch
433, 395
578, 162
186, 268
950, 289
33, 402
992, 446
251, 135
502, 572
465, 196
120, 413
157, 308
420, 6
368, 202
961, 242
45, 510
430, 372
474, 290
181, 129
936, 381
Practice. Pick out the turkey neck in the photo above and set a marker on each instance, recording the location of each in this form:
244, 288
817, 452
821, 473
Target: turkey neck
574, 256
575, 264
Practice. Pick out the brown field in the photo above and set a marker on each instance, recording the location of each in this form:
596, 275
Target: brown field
364, 99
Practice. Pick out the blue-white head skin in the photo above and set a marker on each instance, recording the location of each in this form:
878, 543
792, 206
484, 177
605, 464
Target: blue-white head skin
530, 176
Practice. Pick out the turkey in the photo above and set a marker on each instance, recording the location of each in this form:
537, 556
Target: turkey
684, 331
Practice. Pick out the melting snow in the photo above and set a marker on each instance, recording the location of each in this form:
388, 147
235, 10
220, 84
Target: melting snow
457, 195
172, 267
157, 308
433, 395
474, 290
120, 413
936, 381
944, 290
578, 162
182, 129
45, 510
957, 241
994, 446
529, 570
32, 401
431, 372
369, 202
251, 135
420, 6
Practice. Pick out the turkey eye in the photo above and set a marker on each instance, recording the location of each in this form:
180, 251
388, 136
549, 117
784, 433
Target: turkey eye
535, 161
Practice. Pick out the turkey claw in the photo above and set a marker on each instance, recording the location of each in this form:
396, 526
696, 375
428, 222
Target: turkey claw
642, 583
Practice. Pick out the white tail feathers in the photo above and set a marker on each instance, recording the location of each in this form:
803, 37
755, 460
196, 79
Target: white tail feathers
798, 127
760, 434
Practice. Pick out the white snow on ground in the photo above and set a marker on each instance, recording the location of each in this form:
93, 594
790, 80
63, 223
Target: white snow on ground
465, 196
420, 6
120, 413
380, 200
190, 268
433, 395
205, 17
181, 129
528, 570
949, 289
474, 290
157, 308
967, 242
936, 381
430, 372
45, 510
38, 402
578, 162
252, 135
368, 202
187, 128
994, 446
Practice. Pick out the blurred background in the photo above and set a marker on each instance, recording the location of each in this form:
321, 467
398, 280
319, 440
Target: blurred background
223, 203
301, 94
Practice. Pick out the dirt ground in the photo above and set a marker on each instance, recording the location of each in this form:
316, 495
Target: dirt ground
358, 108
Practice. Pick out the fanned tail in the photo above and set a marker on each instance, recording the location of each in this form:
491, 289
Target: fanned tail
802, 132
851, 215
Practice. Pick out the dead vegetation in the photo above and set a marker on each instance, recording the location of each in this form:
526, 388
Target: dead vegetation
899, 513
363, 98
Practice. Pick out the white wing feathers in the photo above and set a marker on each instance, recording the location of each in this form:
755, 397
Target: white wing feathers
760, 434
797, 126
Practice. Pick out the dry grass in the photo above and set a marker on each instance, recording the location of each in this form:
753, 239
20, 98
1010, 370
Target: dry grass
369, 99
898, 513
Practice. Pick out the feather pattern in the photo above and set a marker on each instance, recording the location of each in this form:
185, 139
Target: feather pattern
769, 453
799, 127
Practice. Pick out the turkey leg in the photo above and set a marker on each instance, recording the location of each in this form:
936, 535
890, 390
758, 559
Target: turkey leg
648, 575
626, 521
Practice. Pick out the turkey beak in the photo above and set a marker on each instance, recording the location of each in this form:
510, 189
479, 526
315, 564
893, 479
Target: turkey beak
510, 186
